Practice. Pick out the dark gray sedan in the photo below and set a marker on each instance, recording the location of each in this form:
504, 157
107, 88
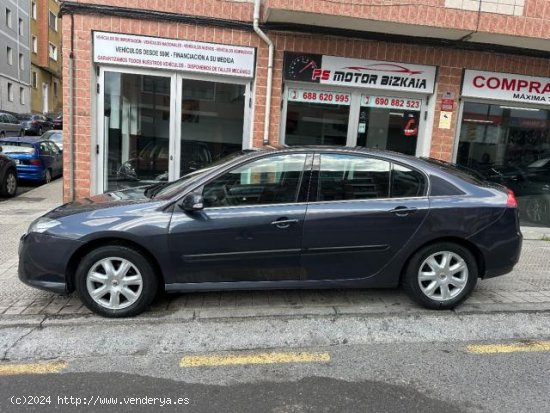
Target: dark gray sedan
292, 218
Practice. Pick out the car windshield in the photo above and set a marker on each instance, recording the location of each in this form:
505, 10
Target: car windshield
10, 148
23, 117
168, 190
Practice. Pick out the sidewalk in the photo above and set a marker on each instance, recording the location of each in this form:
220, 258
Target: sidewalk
526, 289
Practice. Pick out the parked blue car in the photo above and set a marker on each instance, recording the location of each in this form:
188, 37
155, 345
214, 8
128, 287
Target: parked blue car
37, 159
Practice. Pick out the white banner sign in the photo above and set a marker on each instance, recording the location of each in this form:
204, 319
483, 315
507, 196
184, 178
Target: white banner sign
506, 86
318, 96
375, 74
172, 54
389, 102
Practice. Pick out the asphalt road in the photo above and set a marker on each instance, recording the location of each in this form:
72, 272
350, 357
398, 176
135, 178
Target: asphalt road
373, 378
421, 363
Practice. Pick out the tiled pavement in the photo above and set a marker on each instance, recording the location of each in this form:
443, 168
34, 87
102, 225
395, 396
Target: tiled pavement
527, 288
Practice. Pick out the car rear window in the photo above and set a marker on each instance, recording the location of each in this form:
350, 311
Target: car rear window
461, 172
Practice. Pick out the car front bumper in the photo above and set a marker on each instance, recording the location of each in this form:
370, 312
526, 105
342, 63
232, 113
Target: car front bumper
43, 261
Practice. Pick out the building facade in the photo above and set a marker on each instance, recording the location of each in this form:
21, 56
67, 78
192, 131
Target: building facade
14, 56
46, 57
154, 96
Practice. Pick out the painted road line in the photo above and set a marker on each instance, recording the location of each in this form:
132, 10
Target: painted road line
509, 348
31, 368
254, 358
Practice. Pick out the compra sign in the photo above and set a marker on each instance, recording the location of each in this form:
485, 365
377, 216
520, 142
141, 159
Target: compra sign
506, 86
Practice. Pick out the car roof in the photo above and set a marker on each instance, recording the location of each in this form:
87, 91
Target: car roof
390, 155
24, 139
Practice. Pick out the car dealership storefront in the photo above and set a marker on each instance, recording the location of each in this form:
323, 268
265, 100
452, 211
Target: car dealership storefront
169, 106
504, 135
331, 100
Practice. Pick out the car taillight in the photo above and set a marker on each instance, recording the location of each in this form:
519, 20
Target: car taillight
512, 200
36, 162
35, 122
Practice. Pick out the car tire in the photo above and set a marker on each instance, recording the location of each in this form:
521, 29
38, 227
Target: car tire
95, 282
8, 188
39, 133
435, 285
537, 210
47, 176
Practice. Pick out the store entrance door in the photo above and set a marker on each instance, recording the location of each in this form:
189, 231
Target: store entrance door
390, 123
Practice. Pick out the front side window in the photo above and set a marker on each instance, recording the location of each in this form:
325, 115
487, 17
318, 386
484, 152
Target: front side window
344, 177
271, 180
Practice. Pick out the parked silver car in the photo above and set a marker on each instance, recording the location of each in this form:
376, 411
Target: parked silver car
10, 125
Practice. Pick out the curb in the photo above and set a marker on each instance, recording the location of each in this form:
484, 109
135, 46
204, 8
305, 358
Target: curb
284, 313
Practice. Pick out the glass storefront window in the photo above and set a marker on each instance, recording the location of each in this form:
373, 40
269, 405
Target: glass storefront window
510, 145
212, 119
389, 123
137, 129
317, 117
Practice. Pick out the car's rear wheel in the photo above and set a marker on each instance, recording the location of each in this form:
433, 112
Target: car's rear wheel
538, 210
47, 176
9, 186
441, 275
116, 281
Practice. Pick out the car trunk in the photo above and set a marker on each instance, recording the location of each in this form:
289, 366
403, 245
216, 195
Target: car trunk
22, 155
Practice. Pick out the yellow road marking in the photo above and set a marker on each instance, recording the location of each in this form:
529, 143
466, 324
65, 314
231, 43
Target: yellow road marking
254, 358
509, 348
31, 368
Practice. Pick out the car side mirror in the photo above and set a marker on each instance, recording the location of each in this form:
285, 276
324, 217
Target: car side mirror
192, 202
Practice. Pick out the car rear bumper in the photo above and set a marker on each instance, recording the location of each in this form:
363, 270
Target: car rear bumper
500, 245
43, 261
30, 172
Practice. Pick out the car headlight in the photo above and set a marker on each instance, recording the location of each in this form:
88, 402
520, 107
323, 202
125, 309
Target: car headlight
42, 225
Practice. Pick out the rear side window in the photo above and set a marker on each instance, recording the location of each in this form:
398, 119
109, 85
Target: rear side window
466, 174
441, 187
344, 177
406, 182
45, 148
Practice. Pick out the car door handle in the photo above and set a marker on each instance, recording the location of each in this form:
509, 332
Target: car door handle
403, 211
284, 222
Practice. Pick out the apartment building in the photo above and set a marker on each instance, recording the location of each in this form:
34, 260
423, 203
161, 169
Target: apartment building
14, 56
46, 57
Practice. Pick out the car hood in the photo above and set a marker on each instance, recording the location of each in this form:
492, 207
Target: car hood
102, 201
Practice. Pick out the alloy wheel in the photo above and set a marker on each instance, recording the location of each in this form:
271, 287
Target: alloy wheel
443, 276
537, 210
114, 283
48, 177
11, 183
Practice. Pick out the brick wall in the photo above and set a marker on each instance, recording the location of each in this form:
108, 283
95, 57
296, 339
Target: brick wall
449, 62
535, 21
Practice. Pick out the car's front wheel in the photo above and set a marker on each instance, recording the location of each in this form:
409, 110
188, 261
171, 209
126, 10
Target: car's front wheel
441, 275
116, 281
